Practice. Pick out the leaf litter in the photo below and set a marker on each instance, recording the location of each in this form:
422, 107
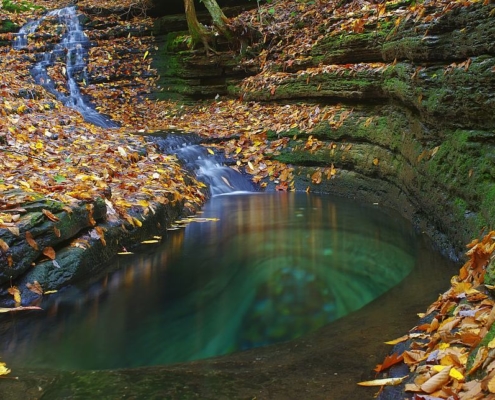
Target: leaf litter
48, 149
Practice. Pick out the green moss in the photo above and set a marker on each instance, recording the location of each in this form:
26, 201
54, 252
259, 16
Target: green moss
19, 6
177, 41
479, 374
8, 26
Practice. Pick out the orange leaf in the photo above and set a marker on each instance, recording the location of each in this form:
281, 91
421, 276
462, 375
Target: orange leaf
50, 216
49, 252
90, 209
31, 241
388, 362
4, 246
57, 231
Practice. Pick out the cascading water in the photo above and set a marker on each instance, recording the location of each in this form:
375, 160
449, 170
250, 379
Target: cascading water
72, 51
208, 168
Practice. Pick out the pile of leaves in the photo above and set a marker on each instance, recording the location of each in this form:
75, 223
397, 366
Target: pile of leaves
452, 356
47, 148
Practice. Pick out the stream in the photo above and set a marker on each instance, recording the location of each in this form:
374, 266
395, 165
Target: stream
72, 53
275, 295
296, 291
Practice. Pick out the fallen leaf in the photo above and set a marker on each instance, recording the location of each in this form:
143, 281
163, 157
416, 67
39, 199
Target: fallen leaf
383, 382
5, 310
31, 241
3, 369
50, 215
49, 252
436, 381
4, 246
35, 287
14, 291
398, 340
388, 362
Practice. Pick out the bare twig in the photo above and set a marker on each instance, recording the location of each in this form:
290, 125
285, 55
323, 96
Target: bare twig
22, 154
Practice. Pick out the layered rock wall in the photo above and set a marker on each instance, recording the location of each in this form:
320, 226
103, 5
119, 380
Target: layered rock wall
417, 105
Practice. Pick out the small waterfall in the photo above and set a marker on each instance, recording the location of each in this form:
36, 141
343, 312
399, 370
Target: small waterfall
208, 168
72, 51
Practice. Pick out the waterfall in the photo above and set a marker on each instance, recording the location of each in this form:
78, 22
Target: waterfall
72, 51
208, 168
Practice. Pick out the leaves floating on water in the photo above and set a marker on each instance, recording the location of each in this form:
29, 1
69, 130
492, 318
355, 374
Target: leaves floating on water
383, 382
6, 310
389, 361
3, 369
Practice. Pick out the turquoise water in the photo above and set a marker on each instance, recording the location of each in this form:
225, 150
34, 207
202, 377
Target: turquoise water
273, 267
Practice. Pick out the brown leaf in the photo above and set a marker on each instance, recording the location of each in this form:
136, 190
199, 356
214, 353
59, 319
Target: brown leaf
31, 241
436, 381
479, 359
90, 209
101, 233
412, 357
50, 216
4, 246
35, 287
56, 231
49, 252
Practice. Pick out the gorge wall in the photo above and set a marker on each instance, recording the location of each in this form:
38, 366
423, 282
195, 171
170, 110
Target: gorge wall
414, 95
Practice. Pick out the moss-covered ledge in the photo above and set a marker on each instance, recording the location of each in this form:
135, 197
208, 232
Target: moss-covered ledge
84, 237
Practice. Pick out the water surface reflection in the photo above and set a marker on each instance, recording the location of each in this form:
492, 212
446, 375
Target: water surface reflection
272, 268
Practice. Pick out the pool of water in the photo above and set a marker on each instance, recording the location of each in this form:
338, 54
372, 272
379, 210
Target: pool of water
253, 270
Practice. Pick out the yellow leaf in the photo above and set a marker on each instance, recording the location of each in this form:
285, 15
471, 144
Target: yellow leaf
150, 241
50, 291
143, 203
376, 161
137, 222
210, 151
6, 310
146, 54
398, 340
3, 369
383, 382
250, 165
14, 291
454, 373
491, 385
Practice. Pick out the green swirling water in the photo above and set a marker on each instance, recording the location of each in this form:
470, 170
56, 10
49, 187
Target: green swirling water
274, 267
